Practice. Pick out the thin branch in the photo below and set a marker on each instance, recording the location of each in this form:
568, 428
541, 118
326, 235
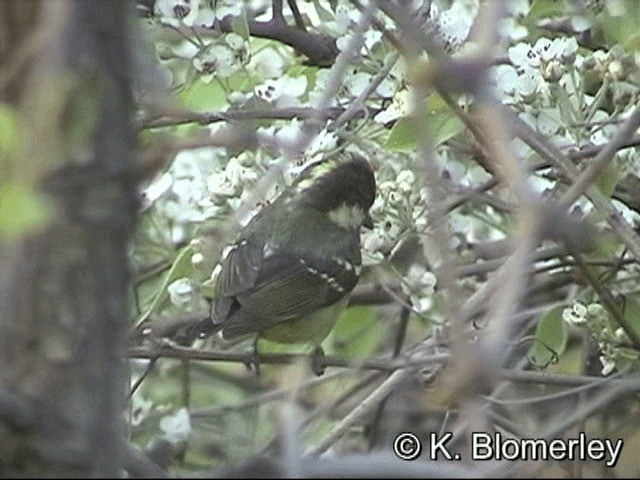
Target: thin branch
607, 299
277, 12
321, 50
140, 466
206, 118
400, 338
356, 107
367, 405
371, 402
347, 396
604, 157
297, 17
600, 402
375, 294
593, 150
154, 157
141, 378
248, 357
391, 37
262, 399
343, 61
576, 385
603, 205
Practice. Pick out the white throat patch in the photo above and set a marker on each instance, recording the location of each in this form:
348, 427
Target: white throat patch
347, 216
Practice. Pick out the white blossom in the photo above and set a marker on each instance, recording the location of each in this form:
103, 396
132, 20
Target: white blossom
157, 188
419, 280
608, 365
177, 427
576, 315
267, 63
181, 292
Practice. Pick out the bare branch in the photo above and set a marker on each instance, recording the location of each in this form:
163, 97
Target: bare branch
321, 50
184, 353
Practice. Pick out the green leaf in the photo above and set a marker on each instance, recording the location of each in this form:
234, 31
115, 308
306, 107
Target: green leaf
9, 132
181, 267
323, 14
439, 126
401, 138
297, 70
631, 313
435, 103
442, 126
357, 333
606, 246
22, 210
304, 70
622, 27
608, 179
240, 25
546, 8
243, 81
550, 338
203, 97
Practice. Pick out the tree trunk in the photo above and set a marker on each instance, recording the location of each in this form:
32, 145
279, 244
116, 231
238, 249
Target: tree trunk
65, 69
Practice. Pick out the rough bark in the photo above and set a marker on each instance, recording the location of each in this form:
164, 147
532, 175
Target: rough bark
63, 289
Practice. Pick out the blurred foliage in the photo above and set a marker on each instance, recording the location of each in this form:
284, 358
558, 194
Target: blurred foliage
568, 69
23, 209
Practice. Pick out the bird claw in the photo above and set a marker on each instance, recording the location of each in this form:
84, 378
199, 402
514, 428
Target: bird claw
253, 362
317, 361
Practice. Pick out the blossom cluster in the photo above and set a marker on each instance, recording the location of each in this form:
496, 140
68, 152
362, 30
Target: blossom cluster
610, 339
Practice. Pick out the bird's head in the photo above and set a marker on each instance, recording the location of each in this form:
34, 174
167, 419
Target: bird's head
342, 186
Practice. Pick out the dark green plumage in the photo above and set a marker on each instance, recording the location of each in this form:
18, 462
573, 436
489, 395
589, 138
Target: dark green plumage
297, 256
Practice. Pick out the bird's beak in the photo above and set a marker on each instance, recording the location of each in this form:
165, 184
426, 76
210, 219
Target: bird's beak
368, 221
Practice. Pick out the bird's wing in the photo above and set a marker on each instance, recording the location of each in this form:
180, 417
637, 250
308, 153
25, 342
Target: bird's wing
287, 287
240, 268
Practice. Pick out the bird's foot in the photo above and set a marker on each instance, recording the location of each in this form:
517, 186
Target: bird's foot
253, 363
317, 361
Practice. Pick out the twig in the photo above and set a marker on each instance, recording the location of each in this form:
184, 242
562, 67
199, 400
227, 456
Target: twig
262, 399
311, 127
593, 150
367, 405
321, 50
296, 15
355, 109
205, 118
277, 11
548, 151
607, 299
145, 374
600, 402
604, 157
140, 466
576, 384
185, 353
371, 402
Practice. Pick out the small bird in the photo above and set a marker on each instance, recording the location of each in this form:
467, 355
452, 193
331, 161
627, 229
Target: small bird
291, 271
